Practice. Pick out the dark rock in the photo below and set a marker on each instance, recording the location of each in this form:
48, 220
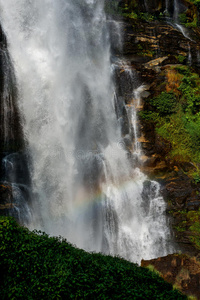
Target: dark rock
180, 270
5, 194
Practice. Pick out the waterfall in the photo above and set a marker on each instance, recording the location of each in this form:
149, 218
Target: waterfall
166, 7
83, 181
176, 11
178, 8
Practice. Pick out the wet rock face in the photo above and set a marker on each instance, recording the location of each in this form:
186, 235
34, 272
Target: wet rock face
14, 173
152, 48
180, 270
144, 41
11, 138
144, 5
6, 198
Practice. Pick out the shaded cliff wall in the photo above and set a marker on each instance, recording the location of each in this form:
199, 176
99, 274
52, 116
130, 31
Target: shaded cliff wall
14, 174
165, 52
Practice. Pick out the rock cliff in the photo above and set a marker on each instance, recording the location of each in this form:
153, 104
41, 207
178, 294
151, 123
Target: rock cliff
162, 44
13, 163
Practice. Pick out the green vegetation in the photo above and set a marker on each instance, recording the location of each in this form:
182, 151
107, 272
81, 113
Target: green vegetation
181, 58
165, 103
176, 114
130, 10
196, 3
131, 15
145, 52
138, 15
189, 18
36, 266
152, 269
188, 21
191, 224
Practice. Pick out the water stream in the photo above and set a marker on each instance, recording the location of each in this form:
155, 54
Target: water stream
84, 185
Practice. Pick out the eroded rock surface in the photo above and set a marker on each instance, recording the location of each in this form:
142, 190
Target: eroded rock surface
180, 270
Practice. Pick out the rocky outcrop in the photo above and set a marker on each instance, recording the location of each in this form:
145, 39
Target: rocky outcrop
14, 174
11, 138
153, 44
6, 198
180, 270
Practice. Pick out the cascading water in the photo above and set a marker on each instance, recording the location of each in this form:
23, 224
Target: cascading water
83, 183
178, 8
167, 7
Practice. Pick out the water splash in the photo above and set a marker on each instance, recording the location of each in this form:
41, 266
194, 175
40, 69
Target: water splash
83, 184
173, 18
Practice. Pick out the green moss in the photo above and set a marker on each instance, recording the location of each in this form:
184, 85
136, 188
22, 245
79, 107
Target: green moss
191, 224
147, 17
189, 18
192, 298
152, 269
183, 18
181, 58
36, 266
196, 3
176, 115
131, 15
148, 53
165, 103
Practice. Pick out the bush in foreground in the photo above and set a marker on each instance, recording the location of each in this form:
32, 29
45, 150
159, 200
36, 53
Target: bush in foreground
36, 266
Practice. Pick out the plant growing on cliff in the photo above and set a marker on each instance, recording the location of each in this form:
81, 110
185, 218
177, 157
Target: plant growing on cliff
190, 224
176, 114
165, 103
196, 3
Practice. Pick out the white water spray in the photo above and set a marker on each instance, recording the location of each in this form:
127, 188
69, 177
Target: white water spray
84, 186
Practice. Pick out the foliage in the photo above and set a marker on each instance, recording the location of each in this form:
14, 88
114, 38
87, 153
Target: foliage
173, 80
145, 52
196, 3
149, 115
188, 22
152, 269
130, 10
173, 131
36, 266
165, 103
131, 15
176, 114
192, 298
181, 58
183, 18
147, 17
191, 224
196, 176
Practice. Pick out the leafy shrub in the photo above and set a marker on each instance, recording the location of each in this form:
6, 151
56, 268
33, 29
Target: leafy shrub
165, 103
176, 114
189, 222
182, 18
36, 266
181, 58
178, 136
